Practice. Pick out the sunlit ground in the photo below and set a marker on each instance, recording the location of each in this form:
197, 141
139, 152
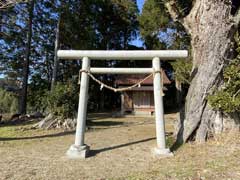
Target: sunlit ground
121, 148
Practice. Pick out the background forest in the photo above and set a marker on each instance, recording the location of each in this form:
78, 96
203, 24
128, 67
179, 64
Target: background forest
32, 32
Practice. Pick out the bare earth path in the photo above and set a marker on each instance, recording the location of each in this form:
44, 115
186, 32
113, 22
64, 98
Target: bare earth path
120, 149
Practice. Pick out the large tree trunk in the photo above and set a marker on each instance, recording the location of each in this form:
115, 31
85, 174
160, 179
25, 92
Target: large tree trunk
55, 65
212, 29
23, 102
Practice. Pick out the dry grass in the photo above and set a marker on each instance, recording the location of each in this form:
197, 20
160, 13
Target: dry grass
121, 149
216, 159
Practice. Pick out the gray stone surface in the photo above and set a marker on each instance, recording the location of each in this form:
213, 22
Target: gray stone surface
78, 152
162, 152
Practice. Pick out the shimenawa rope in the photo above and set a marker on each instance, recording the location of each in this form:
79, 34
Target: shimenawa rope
138, 84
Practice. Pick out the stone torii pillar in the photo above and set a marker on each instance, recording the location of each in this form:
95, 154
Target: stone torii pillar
79, 149
159, 110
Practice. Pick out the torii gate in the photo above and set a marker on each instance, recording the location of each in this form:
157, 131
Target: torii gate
79, 149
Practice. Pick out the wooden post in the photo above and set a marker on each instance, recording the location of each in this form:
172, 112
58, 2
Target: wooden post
79, 149
159, 112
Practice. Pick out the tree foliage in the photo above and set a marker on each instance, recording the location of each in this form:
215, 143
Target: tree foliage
84, 24
227, 99
158, 30
153, 20
182, 71
62, 100
8, 102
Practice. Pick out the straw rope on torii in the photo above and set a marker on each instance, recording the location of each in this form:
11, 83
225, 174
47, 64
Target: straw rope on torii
138, 84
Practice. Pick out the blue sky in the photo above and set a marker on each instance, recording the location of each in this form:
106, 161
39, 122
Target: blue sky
140, 4
138, 42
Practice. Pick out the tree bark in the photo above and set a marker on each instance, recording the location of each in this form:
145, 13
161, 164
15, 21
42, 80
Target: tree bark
212, 29
55, 65
178, 94
23, 103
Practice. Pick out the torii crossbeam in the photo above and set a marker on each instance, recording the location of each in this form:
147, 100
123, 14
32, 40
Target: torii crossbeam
79, 149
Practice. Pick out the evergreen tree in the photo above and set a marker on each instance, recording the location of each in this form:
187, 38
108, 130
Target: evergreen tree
81, 24
23, 102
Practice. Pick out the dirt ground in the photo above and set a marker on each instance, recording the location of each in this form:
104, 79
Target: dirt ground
121, 148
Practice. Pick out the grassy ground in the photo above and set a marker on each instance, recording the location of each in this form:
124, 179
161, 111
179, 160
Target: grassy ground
120, 149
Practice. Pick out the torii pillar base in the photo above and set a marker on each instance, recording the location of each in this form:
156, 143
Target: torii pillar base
162, 152
77, 152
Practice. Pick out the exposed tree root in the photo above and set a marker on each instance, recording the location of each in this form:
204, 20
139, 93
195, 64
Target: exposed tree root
51, 121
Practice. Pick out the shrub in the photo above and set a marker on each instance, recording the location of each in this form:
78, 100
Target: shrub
63, 100
8, 102
227, 99
37, 92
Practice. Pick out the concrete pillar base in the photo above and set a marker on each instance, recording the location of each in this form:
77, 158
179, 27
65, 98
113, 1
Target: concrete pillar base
78, 152
162, 152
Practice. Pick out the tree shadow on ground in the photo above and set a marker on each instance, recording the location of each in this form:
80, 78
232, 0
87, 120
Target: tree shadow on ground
18, 122
179, 140
98, 116
96, 151
170, 110
37, 137
104, 123
175, 146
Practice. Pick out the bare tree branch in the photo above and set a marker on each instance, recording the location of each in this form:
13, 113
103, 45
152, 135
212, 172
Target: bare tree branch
3, 34
237, 16
171, 6
175, 13
4, 4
